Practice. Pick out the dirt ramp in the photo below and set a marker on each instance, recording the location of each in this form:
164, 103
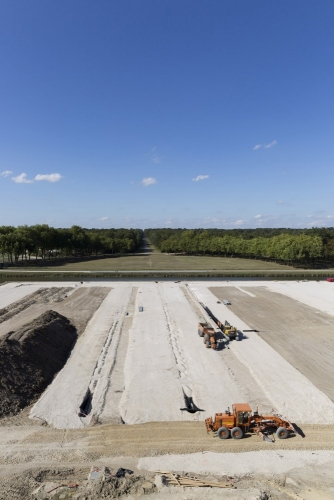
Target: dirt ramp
31, 357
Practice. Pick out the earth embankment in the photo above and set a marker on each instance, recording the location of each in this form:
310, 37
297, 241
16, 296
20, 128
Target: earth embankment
31, 357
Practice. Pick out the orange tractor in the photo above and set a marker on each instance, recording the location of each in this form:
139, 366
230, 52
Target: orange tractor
242, 420
208, 333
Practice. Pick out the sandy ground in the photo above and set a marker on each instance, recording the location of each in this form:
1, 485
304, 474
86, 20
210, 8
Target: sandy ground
295, 465
302, 334
138, 365
266, 462
283, 384
11, 292
75, 302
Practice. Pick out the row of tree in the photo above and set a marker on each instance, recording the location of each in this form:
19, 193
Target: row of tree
290, 246
45, 242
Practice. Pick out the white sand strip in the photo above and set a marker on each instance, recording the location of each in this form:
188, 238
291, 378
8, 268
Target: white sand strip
59, 404
264, 462
201, 366
152, 381
291, 393
11, 292
245, 291
319, 295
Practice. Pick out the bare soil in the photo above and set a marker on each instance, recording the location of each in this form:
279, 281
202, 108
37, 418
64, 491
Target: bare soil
35, 341
301, 334
69, 455
30, 358
78, 306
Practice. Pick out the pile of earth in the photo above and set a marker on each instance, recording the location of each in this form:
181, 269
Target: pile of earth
31, 357
44, 484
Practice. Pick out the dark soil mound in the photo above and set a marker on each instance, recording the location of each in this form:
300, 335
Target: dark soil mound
31, 357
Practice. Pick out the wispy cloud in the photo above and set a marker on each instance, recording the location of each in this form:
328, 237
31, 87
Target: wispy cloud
239, 222
258, 216
148, 181
103, 218
6, 173
271, 144
200, 178
283, 202
22, 179
154, 156
48, 177
156, 159
265, 146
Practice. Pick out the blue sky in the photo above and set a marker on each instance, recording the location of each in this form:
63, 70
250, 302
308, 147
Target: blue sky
167, 113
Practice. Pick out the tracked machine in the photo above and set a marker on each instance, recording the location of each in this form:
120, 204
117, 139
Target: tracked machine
241, 420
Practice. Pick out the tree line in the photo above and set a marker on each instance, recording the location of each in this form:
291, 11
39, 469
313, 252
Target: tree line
286, 245
45, 242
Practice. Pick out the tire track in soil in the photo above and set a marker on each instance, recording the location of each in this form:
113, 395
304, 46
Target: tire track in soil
189, 392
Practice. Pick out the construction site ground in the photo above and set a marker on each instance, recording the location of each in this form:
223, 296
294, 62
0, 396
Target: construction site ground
138, 358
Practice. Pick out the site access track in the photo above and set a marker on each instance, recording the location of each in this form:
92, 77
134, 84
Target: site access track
29, 446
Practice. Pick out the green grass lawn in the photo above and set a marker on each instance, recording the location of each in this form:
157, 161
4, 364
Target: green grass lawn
163, 262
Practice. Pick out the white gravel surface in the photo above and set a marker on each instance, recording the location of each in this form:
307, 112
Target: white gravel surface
59, 404
285, 386
166, 358
237, 464
153, 390
199, 366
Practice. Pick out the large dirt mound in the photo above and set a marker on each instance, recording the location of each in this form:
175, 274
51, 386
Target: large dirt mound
30, 358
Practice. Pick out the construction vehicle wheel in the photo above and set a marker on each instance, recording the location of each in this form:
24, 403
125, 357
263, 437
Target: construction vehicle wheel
237, 433
282, 433
200, 333
207, 343
223, 433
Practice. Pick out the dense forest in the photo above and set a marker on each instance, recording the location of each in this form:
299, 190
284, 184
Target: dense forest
293, 246
45, 242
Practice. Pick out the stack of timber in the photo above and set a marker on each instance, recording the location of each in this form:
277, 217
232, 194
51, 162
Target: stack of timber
193, 482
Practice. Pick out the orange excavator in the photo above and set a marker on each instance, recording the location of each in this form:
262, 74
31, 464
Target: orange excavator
242, 420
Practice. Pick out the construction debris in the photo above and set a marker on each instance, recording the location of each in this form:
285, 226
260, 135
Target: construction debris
190, 481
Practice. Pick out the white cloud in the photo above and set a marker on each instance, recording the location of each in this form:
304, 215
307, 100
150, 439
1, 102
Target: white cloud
282, 202
6, 173
271, 144
147, 181
266, 146
258, 216
48, 177
200, 178
103, 218
22, 179
239, 222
